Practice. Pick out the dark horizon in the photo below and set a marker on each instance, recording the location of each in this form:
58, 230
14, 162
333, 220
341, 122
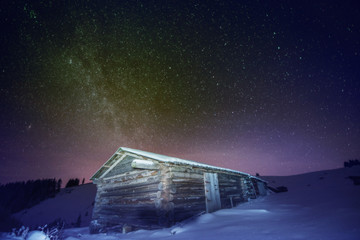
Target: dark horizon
259, 87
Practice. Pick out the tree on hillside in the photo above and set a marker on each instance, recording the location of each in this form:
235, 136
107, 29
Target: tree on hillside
58, 185
72, 183
352, 163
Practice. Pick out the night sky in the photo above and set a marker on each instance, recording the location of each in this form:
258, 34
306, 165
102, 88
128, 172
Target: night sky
269, 87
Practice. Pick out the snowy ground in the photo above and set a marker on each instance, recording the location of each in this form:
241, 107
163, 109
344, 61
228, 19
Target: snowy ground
68, 205
320, 205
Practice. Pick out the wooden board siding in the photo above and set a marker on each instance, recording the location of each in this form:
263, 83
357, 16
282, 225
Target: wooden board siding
231, 189
122, 167
129, 198
189, 191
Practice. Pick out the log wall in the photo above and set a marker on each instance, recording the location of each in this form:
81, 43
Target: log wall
188, 195
231, 190
128, 199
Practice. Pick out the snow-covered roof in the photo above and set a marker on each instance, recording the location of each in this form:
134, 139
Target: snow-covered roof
178, 161
162, 158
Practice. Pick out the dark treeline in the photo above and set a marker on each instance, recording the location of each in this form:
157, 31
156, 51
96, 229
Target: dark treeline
352, 163
17, 196
73, 182
21, 195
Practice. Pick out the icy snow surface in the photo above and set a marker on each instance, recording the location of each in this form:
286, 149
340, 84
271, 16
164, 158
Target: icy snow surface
37, 235
319, 205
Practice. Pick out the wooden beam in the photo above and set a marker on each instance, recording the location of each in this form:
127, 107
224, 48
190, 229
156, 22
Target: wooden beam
144, 164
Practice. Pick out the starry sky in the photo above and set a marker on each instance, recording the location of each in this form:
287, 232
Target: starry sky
269, 87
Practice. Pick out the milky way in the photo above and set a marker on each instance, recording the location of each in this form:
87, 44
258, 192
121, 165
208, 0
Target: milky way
253, 86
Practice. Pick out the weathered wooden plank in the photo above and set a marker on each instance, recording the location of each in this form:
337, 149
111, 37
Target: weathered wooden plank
189, 208
130, 175
189, 200
199, 202
143, 196
176, 175
148, 188
128, 219
184, 194
127, 197
135, 212
130, 185
190, 192
181, 192
134, 185
132, 206
229, 190
144, 164
231, 181
182, 168
189, 180
228, 178
228, 184
182, 187
137, 189
128, 200
184, 184
138, 180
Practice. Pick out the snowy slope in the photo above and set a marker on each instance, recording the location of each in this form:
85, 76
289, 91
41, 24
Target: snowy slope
68, 205
319, 205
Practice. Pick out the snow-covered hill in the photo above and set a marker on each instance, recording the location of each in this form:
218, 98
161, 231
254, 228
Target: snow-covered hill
68, 205
319, 205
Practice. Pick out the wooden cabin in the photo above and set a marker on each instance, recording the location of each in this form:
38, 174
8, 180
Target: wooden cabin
143, 190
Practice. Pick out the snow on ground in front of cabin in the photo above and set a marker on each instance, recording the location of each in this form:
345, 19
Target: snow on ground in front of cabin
319, 205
